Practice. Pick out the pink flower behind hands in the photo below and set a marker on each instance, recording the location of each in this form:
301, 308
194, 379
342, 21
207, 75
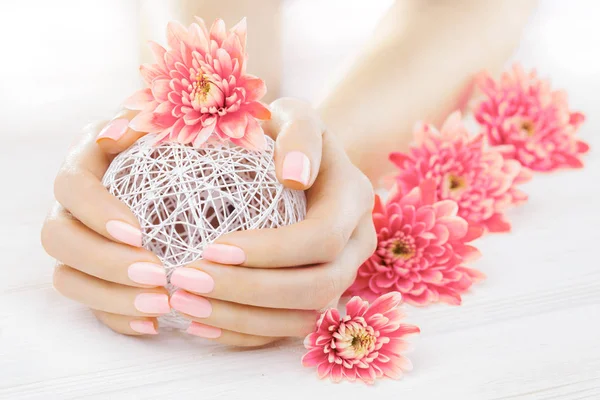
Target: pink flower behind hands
532, 122
366, 344
477, 177
198, 89
421, 247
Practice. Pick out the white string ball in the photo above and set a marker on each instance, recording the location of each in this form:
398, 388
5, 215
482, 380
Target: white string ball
184, 198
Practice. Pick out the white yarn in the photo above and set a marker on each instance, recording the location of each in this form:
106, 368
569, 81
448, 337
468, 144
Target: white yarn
185, 198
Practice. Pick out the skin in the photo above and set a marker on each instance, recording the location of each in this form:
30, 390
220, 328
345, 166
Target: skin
275, 293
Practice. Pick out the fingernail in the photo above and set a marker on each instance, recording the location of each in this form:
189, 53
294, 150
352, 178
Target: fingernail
144, 327
190, 304
152, 303
296, 167
114, 130
193, 280
125, 233
147, 273
205, 331
224, 254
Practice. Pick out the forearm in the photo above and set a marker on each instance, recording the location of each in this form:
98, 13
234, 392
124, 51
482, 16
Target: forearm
418, 64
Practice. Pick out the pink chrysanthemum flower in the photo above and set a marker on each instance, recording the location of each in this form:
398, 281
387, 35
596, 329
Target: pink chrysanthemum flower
199, 89
465, 169
421, 247
366, 344
531, 122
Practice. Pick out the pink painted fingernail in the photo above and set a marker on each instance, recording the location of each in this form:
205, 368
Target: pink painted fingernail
147, 274
125, 233
296, 167
152, 303
224, 254
205, 331
190, 304
144, 327
114, 130
193, 280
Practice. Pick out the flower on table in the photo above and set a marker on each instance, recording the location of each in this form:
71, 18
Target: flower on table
422, 245
198, 89
466, 170
366, 344
532, 122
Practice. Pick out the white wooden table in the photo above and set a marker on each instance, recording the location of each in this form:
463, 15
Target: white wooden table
531, 331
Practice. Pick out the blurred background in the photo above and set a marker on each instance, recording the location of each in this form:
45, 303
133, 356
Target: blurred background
65, 63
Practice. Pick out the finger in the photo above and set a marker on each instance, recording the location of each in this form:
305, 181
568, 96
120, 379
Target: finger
304, 288
128, 325
242, 318
110, 297
336, 202
79, 189
298, 131
228, 337
116, 135
74, 244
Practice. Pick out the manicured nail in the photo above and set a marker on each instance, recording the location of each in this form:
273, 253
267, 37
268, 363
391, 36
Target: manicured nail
152, 303
190, 304
205, 331
125, 233
224, 254
296, 167
147, 273
144, 327
193, 280
114, 130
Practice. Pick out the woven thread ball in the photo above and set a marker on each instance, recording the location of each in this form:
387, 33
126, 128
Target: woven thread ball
185, 198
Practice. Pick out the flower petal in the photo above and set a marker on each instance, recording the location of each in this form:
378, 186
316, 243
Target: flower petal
254, 138
255, 87
139, 100
233, 124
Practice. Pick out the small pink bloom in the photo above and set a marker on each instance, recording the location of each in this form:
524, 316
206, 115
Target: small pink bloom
465, 169
198, 89
421, 247
531, 122
364, 345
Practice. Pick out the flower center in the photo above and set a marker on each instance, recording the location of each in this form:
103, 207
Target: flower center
201, 88
528, 127
362, 343
456, 182
401, 249
355, 340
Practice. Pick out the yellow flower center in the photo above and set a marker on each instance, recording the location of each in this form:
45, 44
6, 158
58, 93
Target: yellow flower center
528, 127
362, 342
201, 87
401, 249
456, 182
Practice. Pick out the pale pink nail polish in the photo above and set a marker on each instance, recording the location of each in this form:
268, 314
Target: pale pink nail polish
205, 331
144, 327
147, 274
152, 303
125, 233
296, 167
193, 280
191, 304
224, 254
114, 130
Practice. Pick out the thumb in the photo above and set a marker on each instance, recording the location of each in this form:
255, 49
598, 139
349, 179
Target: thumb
116, 135
298, 133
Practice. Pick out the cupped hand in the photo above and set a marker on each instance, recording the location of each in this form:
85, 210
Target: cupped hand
255, 286
252, 287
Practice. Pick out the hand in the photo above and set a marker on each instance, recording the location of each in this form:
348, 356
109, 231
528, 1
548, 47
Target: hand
97, 239
253, 287
272, 294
